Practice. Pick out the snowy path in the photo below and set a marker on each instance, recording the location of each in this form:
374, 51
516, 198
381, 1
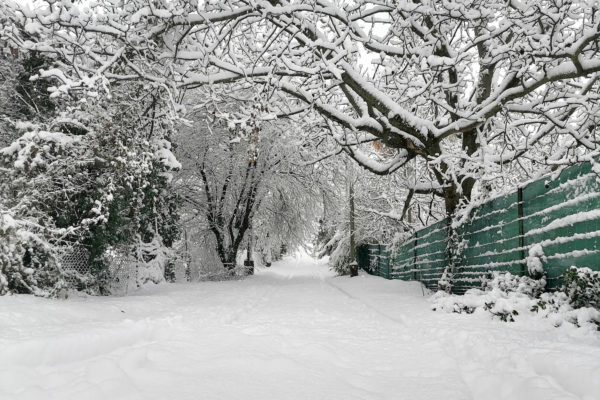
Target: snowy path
293, 331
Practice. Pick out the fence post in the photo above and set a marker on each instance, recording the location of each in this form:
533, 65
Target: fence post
521, 230
414, 266
378, 259
390, 265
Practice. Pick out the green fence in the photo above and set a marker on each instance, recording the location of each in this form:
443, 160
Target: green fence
562, 215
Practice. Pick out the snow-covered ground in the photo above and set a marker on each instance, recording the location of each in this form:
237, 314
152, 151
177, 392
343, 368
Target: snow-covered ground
293, 331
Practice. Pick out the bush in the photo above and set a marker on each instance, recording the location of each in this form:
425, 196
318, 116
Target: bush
509, 283
504, 296
577, 302
26, 263
582, 287
106, 185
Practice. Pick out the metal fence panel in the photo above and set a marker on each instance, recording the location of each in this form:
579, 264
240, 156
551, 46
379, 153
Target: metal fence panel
562, 215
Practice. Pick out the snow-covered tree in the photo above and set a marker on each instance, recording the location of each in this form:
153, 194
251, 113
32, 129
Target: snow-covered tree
469, 88
376, 209
240, 178
21, 98
458, 99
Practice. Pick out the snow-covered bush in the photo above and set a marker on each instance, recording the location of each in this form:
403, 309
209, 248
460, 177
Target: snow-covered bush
505, 296
509, 283
577, 302
91, 176
535, 260
582, 286
338, 249
155, 257
35, 188
26, 263
557, 308
501, 305
445, 282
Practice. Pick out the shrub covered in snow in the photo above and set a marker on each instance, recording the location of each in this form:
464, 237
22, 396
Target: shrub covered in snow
504, 296
509, 283
338, 248
582, 286
156, 257
535, 260
558, 309
105, 185
577, 302
26, 262
507, 295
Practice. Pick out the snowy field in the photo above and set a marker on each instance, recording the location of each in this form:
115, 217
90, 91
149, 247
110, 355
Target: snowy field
293, 331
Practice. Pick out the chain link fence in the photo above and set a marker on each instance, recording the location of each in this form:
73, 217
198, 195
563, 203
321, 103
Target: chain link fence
126, 272
75, 263
123, 273
122, 269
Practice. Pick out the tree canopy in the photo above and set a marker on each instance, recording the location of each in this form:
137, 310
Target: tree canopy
465, 86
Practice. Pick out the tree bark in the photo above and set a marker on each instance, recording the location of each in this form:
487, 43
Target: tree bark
353, 263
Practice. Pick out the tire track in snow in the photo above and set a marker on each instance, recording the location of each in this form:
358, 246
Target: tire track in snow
401, 321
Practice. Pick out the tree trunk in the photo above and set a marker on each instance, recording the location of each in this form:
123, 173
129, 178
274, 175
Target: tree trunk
229, 259
453, 192
353, 263
451, 199
470, 146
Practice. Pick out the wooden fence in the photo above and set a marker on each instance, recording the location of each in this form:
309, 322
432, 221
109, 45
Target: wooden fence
562, 215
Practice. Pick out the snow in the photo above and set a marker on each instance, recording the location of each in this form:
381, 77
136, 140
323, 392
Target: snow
165, 156
534, 261
569, 220
292, 331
